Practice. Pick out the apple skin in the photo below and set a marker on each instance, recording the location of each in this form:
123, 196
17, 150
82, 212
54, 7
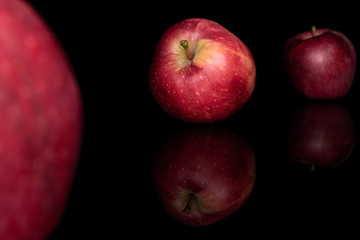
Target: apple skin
320, 63
216, 165
213, 85
321, 134
41, 124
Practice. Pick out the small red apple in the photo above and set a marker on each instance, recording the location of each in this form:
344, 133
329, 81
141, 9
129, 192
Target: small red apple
204, 174
201, 72
321, 134
320, 63
41, 124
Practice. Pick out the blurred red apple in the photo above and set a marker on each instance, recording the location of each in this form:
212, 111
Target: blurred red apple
320, 63
321, 134
204, 174
201, 72
41, 124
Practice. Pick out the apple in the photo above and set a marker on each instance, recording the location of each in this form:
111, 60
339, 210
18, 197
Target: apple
320, 63
204, 174
321, 134
41, 124
201, 72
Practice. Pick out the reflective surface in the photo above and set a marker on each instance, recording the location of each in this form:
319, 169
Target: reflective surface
204, 174
114, 191
287, 187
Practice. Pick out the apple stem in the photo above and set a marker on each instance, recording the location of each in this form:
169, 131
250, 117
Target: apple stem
187, 208
313, 31
185, 45
312, 168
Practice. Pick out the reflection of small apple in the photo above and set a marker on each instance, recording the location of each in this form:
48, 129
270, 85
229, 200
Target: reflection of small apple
204, 174
321, 63
40, 124
201, 72
321, 134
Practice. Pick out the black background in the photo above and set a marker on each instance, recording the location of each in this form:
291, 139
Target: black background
110, 47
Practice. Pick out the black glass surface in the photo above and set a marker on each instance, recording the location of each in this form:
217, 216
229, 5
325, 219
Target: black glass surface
110, 47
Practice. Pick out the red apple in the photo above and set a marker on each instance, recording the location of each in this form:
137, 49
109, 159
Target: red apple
204, 174
41, 124
201, 72
320, 63
321, 134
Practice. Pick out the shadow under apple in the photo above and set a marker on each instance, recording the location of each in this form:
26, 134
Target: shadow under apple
204, 174
321, 134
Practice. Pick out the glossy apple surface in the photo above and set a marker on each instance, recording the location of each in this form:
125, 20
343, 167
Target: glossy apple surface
321, 134
41, 124
201, 72
321, 63
204, 174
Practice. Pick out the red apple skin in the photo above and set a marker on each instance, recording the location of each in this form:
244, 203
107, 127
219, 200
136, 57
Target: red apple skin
321, 134
215, 164
215, 84
41, 124
320, 63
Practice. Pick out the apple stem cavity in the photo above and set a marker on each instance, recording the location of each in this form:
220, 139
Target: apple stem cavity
187, 208
313, 31
185, 45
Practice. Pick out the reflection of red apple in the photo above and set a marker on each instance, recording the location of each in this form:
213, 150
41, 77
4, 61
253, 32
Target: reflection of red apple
321, 63
201, 72
321, 134
40, 124
204, 174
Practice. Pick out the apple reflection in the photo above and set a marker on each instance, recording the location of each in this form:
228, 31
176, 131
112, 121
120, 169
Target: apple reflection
204, 174
321, 134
